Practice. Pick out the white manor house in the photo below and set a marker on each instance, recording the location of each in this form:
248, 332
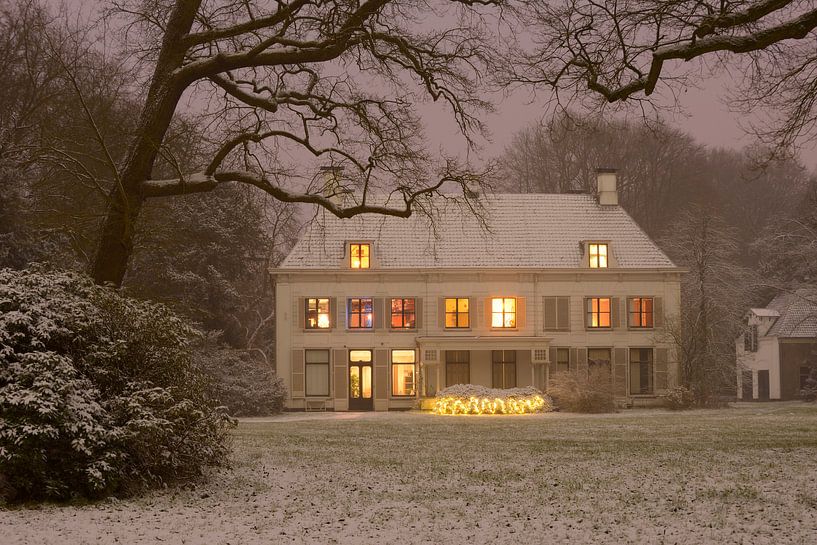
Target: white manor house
379, 313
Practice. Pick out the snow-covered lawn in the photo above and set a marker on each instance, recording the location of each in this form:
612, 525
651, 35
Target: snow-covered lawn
741, 475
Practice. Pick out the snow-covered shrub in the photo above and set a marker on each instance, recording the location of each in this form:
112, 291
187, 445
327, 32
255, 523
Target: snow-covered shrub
98, 392
240, 382
679, 398
590, 392
474, 399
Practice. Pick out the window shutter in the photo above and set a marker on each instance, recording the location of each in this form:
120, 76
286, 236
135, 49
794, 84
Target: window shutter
615, 312
661, 355
552, 355
333, 303
573, 359
620, 371
551, 320
441, 313
297, 373
381, 374
301, 310
378, 310
587, 309
563, 313
581, 360
342, 314
521, 313
418, 313
341, 391
658, 312
486, 313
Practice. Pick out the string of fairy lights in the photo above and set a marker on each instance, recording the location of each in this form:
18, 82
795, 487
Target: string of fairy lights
487, 405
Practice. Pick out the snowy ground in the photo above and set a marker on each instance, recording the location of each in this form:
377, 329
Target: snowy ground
741, 475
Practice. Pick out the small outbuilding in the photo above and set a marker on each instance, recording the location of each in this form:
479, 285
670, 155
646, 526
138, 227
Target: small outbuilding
778, 349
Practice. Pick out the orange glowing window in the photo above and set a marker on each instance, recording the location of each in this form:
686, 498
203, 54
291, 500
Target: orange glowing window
360, 255
598, 312
503, 312
317, 313
641, 312
598, 255
456, 313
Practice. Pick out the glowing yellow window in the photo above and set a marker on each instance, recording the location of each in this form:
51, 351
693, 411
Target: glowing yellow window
598, 312
503, 312
598, 256
317, 313
456, 312
402, 373
360, 255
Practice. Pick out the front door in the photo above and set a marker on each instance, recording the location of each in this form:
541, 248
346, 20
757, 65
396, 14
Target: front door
763, 385
360, 380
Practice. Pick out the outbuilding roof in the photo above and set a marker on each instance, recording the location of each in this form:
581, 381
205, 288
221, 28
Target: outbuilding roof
521, 231
798, 315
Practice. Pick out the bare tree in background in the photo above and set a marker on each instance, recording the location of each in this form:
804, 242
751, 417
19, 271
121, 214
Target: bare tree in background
621, 52
335, 81
716, 291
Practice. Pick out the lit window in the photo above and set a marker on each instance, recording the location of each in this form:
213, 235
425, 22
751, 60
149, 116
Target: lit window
317, 313
598, 312
317, 373
563, 359
456, 312
402, 373
360, 254
503, 312
402, 314
641, 313
641, 371
360, 313
598, 256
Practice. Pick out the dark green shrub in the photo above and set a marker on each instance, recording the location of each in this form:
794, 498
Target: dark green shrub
98, 392
242, 383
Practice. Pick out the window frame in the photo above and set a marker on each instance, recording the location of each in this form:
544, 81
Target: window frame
651, 374
360, 313
503, 362
328, 365
598, 255
360, 257
640, 313
448, 361
503, 313
589, 313
457, 313
559, 351
402, 313
395, 366
328, 313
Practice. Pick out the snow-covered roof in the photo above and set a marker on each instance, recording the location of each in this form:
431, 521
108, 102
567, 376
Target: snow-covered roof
765, 312
798, 315
523, 231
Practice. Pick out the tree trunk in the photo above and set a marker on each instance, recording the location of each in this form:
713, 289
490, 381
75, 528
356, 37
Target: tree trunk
125, 201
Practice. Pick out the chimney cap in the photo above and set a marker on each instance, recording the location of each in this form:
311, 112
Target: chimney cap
331, 168
605, 170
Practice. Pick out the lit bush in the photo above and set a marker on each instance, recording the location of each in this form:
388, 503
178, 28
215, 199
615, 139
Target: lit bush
473, 399
679, 398
590, 392
98, 393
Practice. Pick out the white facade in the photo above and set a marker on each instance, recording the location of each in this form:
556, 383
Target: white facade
536, 273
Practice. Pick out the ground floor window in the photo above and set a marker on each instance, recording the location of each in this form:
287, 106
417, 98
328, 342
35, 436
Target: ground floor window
563, 359
806, 371
402, 373
457, 367
317, 372
641, 371
504, 368
598, 358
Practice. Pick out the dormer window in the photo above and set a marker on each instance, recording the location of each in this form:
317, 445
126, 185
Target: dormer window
598, 255
360, 255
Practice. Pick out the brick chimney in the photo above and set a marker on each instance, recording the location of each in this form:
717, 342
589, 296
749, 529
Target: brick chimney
607, 192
